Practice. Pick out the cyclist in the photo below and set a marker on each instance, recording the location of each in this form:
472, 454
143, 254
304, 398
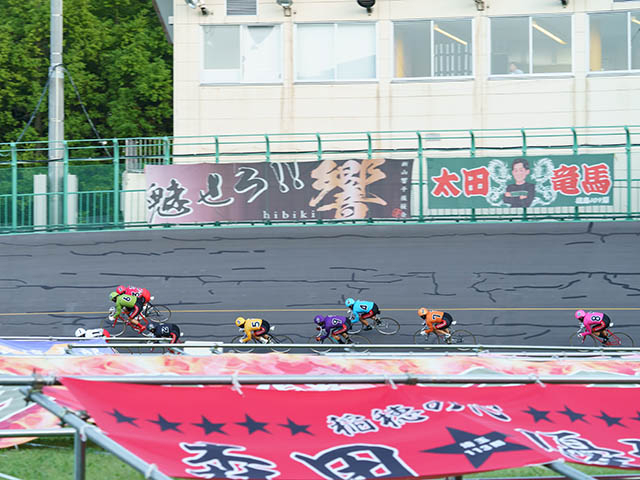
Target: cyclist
594, 323
362, 310
165, 330
434, 320
91, 333
136, 291
254, 328
333, 325
129, 304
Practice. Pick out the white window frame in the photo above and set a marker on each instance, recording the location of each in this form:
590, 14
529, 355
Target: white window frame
433, 77
375, 79
242, 27
628, 70
511, 76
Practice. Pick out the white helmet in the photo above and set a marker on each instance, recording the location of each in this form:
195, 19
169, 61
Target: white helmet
80, 332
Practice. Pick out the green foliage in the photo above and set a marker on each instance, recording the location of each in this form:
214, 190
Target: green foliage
117, 56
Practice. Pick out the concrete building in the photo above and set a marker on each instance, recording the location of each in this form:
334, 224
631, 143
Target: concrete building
267, 66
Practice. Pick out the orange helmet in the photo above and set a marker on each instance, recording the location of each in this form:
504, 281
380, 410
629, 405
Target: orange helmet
422, 311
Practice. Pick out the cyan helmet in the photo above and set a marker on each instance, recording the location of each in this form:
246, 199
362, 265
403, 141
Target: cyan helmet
113, 296
319, 320
349, 302
580, 314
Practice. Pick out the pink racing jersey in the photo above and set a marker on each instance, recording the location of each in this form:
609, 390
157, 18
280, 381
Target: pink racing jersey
590, 320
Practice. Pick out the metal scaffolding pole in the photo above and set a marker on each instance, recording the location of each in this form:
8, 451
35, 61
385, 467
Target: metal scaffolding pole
85, 430
409, 379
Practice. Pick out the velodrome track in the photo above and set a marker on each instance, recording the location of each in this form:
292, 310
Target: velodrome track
507, 283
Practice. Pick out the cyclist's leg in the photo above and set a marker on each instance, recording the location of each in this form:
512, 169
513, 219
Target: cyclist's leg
364, 317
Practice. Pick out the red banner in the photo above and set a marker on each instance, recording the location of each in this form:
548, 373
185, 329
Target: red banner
377, 432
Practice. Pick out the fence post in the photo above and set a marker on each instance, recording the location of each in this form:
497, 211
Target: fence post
65, 184
369, 148
524, 142
420, 179
576, 212
629, 179
217, 149
14, 187
319, 152
166, 151
268, 150
116, 182
473, 143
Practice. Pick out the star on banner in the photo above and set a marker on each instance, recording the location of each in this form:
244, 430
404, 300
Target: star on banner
122, 418
573, 416
538, 415
165, 424
477, 448
295, 428
209, 427
611, 421
253, 425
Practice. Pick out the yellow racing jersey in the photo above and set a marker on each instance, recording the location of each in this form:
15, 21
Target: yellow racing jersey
251, 325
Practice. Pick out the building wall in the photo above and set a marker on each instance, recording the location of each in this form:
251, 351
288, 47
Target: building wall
578, 98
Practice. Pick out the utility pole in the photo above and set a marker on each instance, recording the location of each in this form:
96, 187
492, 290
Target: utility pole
56, 116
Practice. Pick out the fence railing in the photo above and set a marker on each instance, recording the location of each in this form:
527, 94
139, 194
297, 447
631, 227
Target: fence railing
103, 181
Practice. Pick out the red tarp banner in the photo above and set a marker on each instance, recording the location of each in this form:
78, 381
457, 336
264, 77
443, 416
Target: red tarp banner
387, 432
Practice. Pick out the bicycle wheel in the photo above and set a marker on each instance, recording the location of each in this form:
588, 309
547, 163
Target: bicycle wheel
461, 337
427, 339
316, 346
387, 326
617, 339
158, 313
576, 340
279, 340
359, 340
356, 327
240, 350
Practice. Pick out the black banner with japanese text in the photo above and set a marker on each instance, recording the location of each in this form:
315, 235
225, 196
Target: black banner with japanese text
341, 189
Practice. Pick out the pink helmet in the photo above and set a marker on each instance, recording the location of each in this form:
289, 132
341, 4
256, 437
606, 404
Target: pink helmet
121, 289
580, 314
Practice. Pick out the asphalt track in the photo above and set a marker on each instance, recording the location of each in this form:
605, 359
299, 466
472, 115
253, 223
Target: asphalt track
507, 283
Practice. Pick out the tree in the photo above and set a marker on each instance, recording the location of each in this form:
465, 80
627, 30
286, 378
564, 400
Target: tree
115, 53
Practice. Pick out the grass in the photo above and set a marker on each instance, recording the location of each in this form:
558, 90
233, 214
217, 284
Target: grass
51, 458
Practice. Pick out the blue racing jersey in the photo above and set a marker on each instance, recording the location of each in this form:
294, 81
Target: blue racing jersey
361, 307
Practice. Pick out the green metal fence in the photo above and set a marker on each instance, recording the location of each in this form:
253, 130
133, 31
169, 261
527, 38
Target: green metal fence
103, 181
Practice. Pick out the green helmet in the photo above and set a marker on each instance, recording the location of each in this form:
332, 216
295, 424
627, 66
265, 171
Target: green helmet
113, 296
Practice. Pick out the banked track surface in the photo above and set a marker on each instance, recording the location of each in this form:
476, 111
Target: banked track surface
507, 283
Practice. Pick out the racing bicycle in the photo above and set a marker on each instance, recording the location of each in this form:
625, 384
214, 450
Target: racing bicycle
354, 340
271, 340
616, 339
150, 313
457, 337
383, 325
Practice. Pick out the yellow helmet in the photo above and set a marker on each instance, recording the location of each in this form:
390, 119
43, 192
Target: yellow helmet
422, 311
240, 321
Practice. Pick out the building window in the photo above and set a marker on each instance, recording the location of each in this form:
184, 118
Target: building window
614, 41
433, 48
531, 45
335, 52
242, 54
242, 7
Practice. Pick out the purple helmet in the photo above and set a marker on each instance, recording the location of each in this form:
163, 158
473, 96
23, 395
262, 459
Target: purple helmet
319, 320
